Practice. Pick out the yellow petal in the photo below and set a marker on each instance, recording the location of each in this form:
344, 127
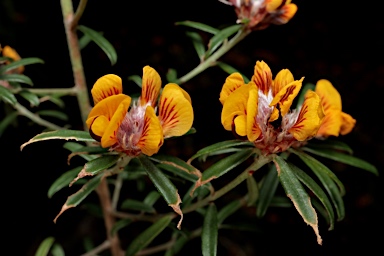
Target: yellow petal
253, 129
262, 76
330, 97
347, 123
99, 125
331, 123
175, 111
234, 105
283, 78
105, 87
286, 96
109, 136
241, 125
272, 5
106, 107
286, 13
233, 81
12, 53
151, 85
274, 115
309, 119
152, 136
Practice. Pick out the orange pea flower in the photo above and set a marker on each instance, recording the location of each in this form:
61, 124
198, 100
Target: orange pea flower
136, 127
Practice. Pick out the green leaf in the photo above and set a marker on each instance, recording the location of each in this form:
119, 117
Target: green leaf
45, 246
279, 201
230, 70
327, 178
219, 37
119, 225
151, 198
343, 158
228, 210
75, 147
267, 191
53, 113
199, 26
19, 78
32, 98
7, 96
137, 79
147, 236
198, 44
100, 40
60, 134
303, 91
317, 191
63, 181
178, 245
209, 234
55, 99
209, 150
297, 194
79, 196
18, 63
226, 164
57, 250
171, 76
7, 120
99, 164
176, 166
131, 204
253, 191
330, 144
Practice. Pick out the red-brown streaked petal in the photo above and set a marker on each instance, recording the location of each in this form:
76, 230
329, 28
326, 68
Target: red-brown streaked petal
105, 87
233, 81
286, 96
283, 78
12, 53
330, 97
309, 119
109, 137
347, 123
330, 126
152, 137
272, 5
286, 13
106, 107
175, 111
262, 76
235, 105
253, 129
151, 85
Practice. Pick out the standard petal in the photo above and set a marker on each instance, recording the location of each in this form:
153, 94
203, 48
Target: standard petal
233, 81
109, 137
151, 85
309, 119
286, 96
347, 123
106, 86
253, 129
330, 97
175, 111
283, 78
152, 136
285, 14
272, 5
106, 107
330, 126
262, 76
234, 105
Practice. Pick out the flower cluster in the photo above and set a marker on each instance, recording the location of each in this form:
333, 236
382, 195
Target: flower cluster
259, 14
10, 53
132, 127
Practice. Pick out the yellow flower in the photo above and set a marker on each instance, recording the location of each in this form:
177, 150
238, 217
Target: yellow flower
9, 52
259, 14
135, 128
335, 121
261, 110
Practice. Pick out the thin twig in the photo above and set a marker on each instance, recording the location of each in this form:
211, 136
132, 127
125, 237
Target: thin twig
79, 12
102, 247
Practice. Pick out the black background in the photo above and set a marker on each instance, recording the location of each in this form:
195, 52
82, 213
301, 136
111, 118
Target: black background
342, 43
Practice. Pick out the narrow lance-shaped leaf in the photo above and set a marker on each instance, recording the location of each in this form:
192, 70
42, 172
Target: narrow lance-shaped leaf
53, 113
80, 195
209, 233
228, 210
7, 120
198, 43
297, 194
120, 224
18, 63
18, 78
63, 181
199, 26
253, 191
32, 98
343, 158
75, 148
229, 69
60, 134
131, 204
219, 37
317, 191
7, 96
163, 185
171, 76
151, 198
177, 167
267, 191
137, 79
45, 246
100, 40
330, 144
147, 236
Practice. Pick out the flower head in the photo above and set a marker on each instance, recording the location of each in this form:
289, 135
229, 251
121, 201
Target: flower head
139, 126
259, 14
260, 109
11, 53
335, 121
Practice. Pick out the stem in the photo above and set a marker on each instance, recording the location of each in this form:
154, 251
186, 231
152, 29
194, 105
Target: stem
105, 245
109, 220
214, 57
35, 118
79, 12
45, 91
257, 164
75, 56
